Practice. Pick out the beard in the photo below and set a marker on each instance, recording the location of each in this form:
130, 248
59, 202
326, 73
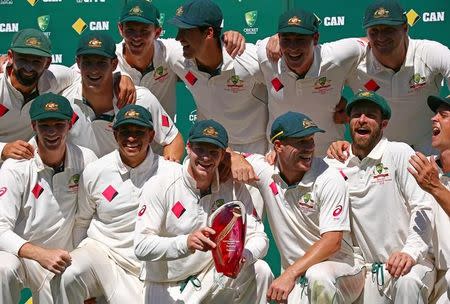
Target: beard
26, 80
366, 144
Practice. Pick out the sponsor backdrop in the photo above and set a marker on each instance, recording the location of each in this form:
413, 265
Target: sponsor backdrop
64, 20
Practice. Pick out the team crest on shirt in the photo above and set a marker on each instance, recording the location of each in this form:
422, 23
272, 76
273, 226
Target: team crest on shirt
217, 204
307, 204
380, 174
73, 183
160, 74
417, 81
322, 85
234, 84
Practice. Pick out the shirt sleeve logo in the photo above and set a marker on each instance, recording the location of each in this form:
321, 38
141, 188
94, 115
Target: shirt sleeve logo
3, 191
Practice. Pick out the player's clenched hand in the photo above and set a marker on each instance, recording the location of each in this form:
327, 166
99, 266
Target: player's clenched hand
54, 260
18, 149
234, 43
425, 172
199, 239
399, 263
280, 289
273, 50
338, 150
125, 91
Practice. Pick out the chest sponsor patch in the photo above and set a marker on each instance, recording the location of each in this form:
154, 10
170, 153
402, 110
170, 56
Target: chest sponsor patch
417, 81
160, 74
109, 193
307, 204
73, 182
276, 84
372, 85
380, 174
234, 84
37, 190
3, 190
178, 209
190, 77
3, 110
142, 211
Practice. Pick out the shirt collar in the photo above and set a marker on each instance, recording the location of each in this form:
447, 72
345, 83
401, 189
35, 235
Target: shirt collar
376, 153
146, 165
192, 184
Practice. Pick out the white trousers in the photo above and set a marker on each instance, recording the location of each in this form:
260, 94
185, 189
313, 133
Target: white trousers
441, 291
94, 274
329, 282
414, 287
250, 286
17, 273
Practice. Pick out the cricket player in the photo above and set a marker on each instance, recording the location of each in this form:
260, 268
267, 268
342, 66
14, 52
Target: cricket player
404, 71
228, 90
309, 77
391, 216
27, 74
95, 103
104, 263
38, 200
433, 176
172, 235
307, 207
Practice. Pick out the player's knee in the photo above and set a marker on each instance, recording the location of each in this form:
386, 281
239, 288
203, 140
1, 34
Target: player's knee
69, 277
318, 273
263, 271
9, 268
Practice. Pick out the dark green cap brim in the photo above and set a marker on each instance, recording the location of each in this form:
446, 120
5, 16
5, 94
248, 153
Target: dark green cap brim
95, 52
31, 51
135, 122
435, 101
138, 19
51, 115
296, 30
208, 140
303, 133
181, 24
384, 22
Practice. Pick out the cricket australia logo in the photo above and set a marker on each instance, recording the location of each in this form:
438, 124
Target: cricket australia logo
380, 174
160, 74
250, 19
322, 85
417, 81
43, 22
234, 84
306, 203
73, 183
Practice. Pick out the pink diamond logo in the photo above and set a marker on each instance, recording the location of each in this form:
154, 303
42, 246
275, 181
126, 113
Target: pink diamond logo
372, 85
274, 188
165, 120
37, 190
110, 193
190, 78
3, 110
178, 209
277, 85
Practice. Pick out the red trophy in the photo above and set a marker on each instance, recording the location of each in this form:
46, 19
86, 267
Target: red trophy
229, 222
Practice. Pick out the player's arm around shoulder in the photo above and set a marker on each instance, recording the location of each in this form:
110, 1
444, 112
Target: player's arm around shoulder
61, 77
435, 56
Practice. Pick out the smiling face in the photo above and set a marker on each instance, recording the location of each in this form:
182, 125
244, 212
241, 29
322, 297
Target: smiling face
51, 133
440, 139
295, 155
385, 39
366, 127
204, 159
133, 142
28, 68
193, 41
139, 37
298, 50
96, 71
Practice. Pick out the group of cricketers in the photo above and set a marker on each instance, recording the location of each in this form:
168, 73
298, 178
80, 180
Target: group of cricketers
98, 206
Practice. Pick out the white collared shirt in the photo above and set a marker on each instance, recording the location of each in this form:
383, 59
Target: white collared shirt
15, 120
317, 94
236, 97
108, 203
427, 63
96, 133
39, 206
300, 214
161, 80
390, 212
171, 208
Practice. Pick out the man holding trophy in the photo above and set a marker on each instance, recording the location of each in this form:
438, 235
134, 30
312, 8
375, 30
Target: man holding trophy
174, 239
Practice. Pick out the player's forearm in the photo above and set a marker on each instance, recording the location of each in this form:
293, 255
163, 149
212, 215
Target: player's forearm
442, 196
320, 251
174, 150
155, 248
419, 234
30, 251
